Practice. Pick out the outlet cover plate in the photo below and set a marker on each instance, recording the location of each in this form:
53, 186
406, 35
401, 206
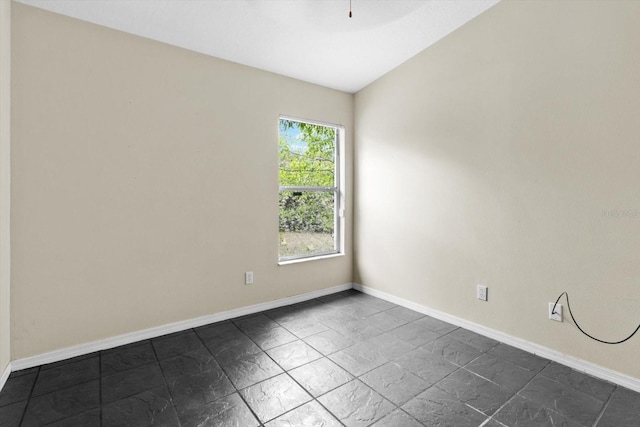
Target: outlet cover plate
557, 315
483, 293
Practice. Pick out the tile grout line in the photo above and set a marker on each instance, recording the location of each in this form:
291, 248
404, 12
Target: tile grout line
605, 406
286, 372
314, 398
324, 356
237, 391
26, 406
164, 379
100, 385
518, 391
459, 368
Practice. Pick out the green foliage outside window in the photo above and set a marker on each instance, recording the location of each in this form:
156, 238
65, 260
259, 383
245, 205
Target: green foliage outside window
307, 159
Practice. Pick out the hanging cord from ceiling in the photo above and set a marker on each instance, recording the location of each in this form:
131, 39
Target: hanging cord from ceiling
350, 15
553, 311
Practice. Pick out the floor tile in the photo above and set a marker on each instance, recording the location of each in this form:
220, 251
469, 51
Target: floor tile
435, 407
521, 412
256, 322
66, 375
359, 311
310, 414
303, 306
395, 383
251, 369
280, 314
218, 332
358, 359
10, 415
472, 339
518, 357
480, 394
303, 327
623, 409
85, 419
452, 350
149, 408
563, 399
17, 389
332, 318
68, 361
199, 388
26, 371
495, 423
599, 389
357, 330
316, 310
356, 405
414, 334
435, 325
61, 404
270, 338
388, 346
271, 398
385, 322
380, 304
427, 366
365, 361
404, 313
230, 411
127, 357
293, 354
328, 342
188, 363
175, 344
133, 381
398, 418
320, 376
336, 305
501, 372
232, 349
338, 298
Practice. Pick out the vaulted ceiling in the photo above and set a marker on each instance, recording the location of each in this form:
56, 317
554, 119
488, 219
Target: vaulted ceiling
311, 40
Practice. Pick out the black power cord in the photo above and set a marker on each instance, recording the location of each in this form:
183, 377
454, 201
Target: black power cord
553, 311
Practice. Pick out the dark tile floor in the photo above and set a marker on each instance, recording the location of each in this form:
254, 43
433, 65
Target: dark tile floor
345, 359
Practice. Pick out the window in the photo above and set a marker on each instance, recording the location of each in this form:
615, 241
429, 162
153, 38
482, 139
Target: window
310, 198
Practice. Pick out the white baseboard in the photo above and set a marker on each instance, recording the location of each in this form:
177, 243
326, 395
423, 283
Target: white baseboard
575, 363
87, 348
79, 350
5, 376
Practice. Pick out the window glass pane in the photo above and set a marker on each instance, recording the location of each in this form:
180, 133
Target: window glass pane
306, 223
307, 154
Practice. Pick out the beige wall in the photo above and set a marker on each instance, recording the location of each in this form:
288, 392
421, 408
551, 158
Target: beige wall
145, 179
5, 185
145, 183
505, 155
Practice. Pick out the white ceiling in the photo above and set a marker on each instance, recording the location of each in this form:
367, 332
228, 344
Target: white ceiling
311, 40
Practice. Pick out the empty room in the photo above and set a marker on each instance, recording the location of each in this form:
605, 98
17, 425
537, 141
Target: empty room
388, 213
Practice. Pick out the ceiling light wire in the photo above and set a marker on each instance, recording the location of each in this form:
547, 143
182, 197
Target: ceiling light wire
350, 15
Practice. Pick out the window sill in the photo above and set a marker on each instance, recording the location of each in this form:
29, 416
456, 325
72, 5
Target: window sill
311, 258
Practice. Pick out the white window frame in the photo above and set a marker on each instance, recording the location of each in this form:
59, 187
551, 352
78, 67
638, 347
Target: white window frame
338, 190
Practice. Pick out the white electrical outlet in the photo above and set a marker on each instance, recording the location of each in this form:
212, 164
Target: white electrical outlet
248, 278
555, 314
483, 293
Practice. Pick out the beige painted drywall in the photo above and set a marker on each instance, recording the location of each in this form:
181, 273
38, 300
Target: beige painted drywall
508, 154
145, 183
5, 181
